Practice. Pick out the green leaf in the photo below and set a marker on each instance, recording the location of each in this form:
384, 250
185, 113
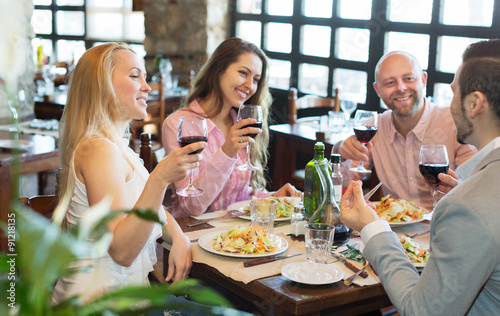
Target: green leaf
44, 252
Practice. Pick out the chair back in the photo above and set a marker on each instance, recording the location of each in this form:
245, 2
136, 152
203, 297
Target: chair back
155, 113
310, 105
150, 154
42, 204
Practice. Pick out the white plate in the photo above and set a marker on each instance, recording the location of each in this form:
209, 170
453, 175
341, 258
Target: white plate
406, 223
425, 217
206, 243
242, 204
15, 144
419, 265
312, 273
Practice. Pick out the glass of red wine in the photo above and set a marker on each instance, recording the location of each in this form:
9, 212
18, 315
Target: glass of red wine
191, 129
432, 161
365, 127
255, 112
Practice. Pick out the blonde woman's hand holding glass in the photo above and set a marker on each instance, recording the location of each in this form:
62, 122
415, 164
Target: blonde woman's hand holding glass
176, 166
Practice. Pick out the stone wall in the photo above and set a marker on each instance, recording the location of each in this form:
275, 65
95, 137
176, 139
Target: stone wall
186, 31
16, 56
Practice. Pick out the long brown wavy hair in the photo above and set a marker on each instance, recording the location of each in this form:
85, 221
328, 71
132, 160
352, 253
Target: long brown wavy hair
207, 84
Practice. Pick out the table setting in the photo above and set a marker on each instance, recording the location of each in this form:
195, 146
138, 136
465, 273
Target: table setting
36, 126
290, 257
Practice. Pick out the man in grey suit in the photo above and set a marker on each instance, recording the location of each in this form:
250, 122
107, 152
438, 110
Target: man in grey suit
462, 275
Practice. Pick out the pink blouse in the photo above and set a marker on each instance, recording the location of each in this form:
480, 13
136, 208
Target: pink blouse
217, 176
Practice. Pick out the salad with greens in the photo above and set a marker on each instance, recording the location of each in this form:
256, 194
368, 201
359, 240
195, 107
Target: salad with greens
284, 209
244, 240
416, 253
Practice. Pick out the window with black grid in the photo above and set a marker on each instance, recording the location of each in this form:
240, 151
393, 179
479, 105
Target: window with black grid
320, 45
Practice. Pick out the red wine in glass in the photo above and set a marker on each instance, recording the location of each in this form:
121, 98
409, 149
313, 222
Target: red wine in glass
364, 133
249, 111
186, 140
365, 126
191, 129
432, 160
430, 172
256, 124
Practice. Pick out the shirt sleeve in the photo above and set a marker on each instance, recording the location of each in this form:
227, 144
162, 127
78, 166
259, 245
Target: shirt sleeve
374, 228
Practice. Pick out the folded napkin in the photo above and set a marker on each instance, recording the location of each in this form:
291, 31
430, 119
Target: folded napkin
370, 280
233, 267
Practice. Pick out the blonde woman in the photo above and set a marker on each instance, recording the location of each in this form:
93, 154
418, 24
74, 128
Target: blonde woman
236, 73
107, 90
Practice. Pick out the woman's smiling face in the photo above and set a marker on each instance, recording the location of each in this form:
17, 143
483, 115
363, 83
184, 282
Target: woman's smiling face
240, 80
129, 85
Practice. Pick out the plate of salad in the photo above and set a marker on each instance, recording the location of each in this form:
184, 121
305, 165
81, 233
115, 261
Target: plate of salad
284, 209
417, 255
243, 242
400, 212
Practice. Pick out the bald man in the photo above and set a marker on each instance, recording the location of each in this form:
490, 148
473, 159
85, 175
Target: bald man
410, 122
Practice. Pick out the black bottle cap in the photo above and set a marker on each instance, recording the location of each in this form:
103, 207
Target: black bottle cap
335, 158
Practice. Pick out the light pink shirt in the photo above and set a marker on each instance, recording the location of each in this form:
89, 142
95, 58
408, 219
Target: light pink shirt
396, 158
217, 176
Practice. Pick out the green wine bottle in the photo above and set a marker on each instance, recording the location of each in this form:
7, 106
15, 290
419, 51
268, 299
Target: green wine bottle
313, 192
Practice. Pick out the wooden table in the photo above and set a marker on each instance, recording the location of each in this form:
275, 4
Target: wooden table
42, 156
277, 295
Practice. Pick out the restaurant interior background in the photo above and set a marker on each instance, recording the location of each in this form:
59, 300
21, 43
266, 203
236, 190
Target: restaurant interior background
313, 45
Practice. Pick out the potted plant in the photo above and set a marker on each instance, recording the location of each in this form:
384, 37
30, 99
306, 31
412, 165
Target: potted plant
39, 252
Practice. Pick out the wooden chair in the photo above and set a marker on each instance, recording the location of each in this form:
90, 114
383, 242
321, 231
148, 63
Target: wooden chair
156, 113
310, 105
305, 107
42, 204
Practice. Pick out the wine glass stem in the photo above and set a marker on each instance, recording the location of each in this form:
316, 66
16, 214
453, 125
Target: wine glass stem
248, 153
361, 164
190, 185
434, 198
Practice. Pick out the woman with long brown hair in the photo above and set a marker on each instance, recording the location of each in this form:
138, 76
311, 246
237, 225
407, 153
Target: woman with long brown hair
235, 74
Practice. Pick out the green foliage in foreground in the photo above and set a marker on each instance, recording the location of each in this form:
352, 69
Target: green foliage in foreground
43, 251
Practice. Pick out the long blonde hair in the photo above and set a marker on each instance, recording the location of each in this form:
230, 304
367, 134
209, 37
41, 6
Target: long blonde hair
92, 108
207, 84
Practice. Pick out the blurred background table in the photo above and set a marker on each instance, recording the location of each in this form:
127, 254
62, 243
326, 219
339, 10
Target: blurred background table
42, 156
291, 139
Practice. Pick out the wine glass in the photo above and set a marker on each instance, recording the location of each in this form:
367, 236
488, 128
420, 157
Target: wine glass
348, 107
365, 126
49, 73
191, 129
433, 160
255, 112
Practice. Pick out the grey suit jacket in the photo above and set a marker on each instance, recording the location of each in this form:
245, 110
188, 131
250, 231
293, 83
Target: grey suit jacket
462, 275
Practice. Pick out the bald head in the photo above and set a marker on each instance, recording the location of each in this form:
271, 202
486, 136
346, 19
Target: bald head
388, 58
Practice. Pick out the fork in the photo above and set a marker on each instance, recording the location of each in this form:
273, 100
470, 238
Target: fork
417, 234
370, 193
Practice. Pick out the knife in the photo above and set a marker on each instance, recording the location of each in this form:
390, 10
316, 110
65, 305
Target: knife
255, 262
349, 265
